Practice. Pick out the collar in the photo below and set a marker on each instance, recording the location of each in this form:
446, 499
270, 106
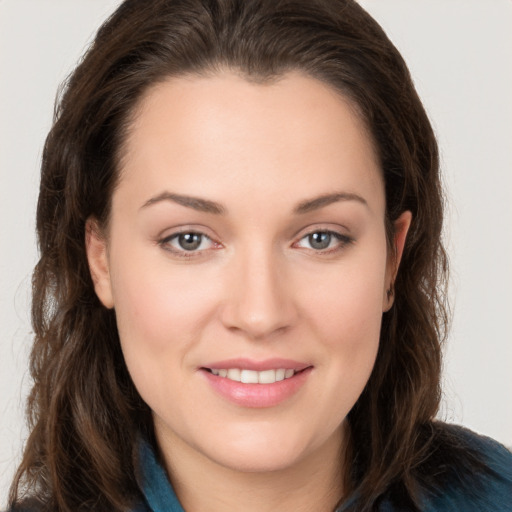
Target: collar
153, 482
156, 488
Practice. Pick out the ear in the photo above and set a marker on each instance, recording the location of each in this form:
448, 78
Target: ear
97, 256
401, 227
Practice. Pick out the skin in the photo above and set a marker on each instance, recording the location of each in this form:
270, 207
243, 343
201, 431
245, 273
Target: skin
255, 288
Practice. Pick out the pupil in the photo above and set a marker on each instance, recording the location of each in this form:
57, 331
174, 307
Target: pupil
320, 240
189, 241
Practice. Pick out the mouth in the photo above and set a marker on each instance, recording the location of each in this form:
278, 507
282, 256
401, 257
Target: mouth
257, 383
245, 376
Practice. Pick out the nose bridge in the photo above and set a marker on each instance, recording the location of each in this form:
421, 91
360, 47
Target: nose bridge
259, 301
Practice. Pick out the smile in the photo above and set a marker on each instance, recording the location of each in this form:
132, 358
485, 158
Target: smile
256, 384
254, 377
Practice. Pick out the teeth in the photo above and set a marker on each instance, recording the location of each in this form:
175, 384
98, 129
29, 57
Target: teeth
267, 377
249, 377
254, 377
234, 374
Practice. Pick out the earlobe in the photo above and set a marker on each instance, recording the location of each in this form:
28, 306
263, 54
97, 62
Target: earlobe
401, 228
97, 256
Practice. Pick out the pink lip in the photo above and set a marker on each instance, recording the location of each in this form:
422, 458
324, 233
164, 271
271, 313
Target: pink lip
257, 395
258, 366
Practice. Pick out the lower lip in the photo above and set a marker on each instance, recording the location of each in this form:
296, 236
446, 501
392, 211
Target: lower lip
257, 395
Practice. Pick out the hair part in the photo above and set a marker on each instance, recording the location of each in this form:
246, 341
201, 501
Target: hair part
84, 410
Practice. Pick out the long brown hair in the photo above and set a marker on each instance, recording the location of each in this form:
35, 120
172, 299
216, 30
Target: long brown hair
84, 412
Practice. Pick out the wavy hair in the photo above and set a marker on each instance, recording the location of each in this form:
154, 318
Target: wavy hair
84, 412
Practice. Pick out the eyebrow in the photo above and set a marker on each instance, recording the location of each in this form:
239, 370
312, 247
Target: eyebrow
325, 200
207, 206
196, 203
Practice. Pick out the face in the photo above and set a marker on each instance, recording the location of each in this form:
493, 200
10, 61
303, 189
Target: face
247, 262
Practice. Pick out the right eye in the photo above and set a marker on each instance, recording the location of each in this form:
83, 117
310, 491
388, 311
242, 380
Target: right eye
187, 242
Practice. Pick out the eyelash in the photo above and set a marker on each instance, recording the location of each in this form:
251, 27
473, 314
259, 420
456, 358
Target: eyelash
343, 241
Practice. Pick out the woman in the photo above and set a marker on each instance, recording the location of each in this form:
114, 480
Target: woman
239, 303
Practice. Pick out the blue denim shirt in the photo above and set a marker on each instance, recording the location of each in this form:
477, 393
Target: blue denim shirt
156, 488
493, 492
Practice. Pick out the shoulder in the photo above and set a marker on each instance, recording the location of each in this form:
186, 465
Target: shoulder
33, 506
29, 505
467, 472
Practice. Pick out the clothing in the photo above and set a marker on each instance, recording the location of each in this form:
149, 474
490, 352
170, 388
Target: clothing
489, 491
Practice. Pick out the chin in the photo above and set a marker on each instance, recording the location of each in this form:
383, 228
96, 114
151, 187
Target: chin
257, 461
256, 452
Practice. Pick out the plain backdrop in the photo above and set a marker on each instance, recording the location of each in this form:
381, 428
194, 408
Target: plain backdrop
460, 55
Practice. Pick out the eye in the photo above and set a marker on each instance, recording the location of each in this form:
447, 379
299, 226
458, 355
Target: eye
323, 241
187, 242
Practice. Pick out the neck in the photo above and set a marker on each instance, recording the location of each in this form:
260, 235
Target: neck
312, 484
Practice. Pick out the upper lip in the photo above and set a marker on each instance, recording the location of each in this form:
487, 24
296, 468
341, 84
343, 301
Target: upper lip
258, 366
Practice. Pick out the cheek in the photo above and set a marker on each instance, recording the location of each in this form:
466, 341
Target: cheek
160, 316
160, 312
352, 332
345, 311
347, 304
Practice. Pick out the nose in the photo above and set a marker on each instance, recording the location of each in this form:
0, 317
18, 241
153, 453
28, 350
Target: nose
260, 301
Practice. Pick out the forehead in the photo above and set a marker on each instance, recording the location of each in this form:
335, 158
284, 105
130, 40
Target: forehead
215, 133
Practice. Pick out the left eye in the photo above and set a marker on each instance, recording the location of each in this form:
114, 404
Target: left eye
188, 242
322, 240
